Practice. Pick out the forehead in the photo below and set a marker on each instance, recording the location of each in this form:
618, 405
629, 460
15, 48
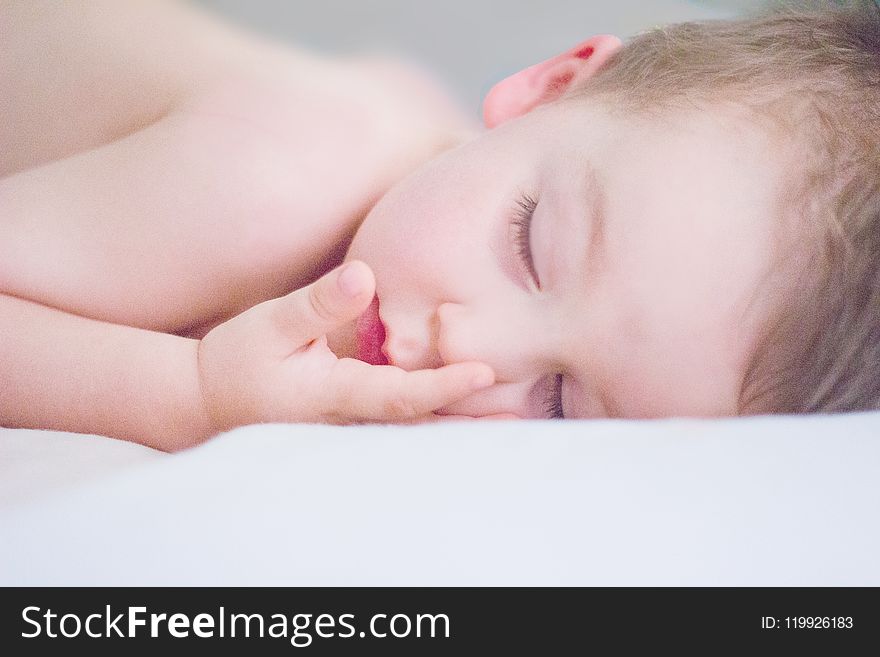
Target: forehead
691, 211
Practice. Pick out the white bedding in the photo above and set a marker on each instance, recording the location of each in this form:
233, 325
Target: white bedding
748, 501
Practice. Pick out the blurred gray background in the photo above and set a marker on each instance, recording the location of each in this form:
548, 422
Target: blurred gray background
468, 44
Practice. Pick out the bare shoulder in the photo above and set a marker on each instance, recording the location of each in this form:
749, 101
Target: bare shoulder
378, 115
412, 102
79, 74
327, 138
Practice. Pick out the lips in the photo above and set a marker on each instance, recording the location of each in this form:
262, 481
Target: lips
371, 336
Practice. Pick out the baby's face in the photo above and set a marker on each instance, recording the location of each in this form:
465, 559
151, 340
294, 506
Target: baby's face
632, 292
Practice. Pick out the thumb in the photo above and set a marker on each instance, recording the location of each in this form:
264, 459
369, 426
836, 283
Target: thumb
338, 297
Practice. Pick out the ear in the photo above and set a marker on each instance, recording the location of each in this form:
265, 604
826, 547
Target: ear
545, 82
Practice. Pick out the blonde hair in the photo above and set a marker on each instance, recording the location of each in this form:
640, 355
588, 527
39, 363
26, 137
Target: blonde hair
812, 71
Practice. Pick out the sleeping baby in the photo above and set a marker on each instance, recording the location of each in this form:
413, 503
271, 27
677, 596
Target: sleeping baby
202, 229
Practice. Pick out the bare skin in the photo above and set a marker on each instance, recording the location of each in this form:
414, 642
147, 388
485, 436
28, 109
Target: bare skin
162, 175
168, 258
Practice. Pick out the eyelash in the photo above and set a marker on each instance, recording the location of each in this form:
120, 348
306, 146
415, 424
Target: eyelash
553, 403
521, 225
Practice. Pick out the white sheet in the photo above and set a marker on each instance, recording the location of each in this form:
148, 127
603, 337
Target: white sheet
748, 501
34, 464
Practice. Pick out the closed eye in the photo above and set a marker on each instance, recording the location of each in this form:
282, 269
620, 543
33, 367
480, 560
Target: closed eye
520, 234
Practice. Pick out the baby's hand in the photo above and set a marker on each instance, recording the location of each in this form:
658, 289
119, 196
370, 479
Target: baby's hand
271, 363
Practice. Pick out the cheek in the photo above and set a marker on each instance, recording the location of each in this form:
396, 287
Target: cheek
423, 243
401, 248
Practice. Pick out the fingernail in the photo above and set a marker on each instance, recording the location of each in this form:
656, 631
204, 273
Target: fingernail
349, 281
483, 379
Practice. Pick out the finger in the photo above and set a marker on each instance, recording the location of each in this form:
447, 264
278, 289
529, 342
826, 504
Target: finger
495, 416
430, 418
336, 298
437, 417
500, 416
445, 417
386, 393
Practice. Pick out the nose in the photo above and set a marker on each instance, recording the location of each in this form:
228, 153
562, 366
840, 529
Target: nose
446, 335
410, 342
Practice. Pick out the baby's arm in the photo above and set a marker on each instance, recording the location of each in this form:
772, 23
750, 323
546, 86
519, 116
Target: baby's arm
81, 238
271, 363
187, 220
63, 371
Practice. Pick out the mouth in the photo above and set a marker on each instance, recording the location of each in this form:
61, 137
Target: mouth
371, 336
